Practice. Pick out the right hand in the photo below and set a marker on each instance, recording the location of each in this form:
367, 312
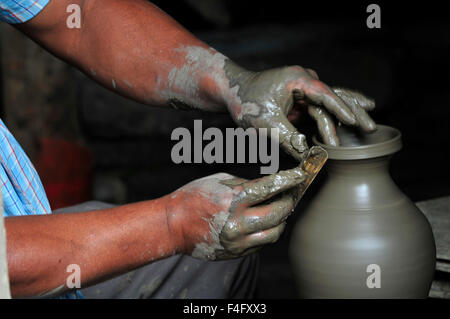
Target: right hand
222, 216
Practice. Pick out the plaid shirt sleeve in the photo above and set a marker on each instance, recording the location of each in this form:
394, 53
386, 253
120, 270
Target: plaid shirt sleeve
22, 190
19, 11
21, 187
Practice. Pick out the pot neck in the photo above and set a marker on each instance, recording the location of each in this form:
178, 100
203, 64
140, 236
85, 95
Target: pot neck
370, 166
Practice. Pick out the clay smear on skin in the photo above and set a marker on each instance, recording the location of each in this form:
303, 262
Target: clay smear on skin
214, 187
207, 250
211, 188
201, 64
263, 105
183, 82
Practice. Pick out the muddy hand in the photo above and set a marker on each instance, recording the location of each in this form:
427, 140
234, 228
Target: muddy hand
266, 98
222, 216
357, 102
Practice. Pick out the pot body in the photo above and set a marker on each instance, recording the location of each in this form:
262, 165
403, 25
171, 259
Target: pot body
361, 237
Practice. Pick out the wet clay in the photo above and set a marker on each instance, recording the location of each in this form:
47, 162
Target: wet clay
265, 104
361, 237
202, 78
182, 89
325, 124
359, 104
265, 98
244, 215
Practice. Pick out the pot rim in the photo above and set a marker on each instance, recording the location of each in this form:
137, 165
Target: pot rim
373, 150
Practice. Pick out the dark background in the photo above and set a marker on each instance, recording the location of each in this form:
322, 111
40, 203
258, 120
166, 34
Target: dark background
125, 146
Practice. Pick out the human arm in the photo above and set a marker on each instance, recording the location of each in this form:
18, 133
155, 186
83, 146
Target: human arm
102, 243
216, 217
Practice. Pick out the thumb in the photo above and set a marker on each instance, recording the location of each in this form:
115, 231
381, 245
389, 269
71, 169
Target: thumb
290, 140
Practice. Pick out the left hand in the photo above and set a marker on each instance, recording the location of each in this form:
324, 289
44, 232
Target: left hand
267, 99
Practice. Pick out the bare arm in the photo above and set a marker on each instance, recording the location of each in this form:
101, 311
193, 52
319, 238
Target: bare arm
134, 48
215, 217
137, 50
102, 243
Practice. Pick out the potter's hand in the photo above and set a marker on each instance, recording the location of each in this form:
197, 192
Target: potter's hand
358, 104
265, 99
222, 216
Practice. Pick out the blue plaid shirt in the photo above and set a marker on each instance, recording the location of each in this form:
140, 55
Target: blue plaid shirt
21, 187
23, 193
19, 11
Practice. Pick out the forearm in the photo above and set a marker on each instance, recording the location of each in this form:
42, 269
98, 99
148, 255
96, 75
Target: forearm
135, 49
102, 243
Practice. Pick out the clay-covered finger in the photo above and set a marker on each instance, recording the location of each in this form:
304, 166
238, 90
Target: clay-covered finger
320, 94
268, 236
264, 188
355, 97
364, 120
252, 242
259, 190
325, 124
290, 140
355, 101
258, 218
240, 225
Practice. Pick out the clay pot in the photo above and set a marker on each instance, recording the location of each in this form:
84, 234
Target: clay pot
361, 237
